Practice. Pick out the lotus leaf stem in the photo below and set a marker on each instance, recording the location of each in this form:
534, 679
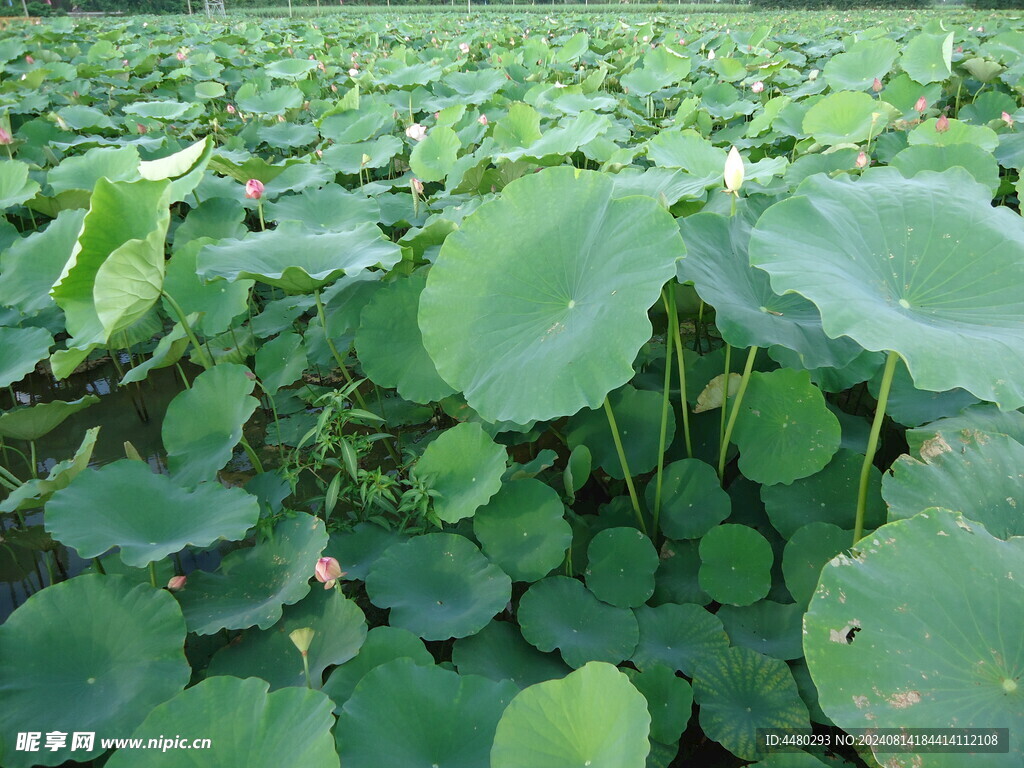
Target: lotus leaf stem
99, 566
256, 463
152, 573
673, 320
204, 356
876, 430
625, 464
725, 394
724, 449
664, 419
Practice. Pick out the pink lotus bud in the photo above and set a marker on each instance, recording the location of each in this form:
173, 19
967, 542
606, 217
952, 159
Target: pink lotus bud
959, 49
981, 29
290, 51
124, 62
862, 160
249, 375
312, 57
488, 46
75, 94
876, 86
416, 132
334, 88
757, 87
141, 128
483, 119
1007, 119
433, 41
320, 153
646, 38
176, 584
328, 571
321, 66
417, 186
29, 60
942, 124
5, 137
921, 105
353, 72
254, 189
464, 47
231, 109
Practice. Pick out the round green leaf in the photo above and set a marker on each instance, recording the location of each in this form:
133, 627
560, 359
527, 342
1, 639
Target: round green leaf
270, 654
204, 424
592, 717
975, 160
857, 68
434, 157
100, 510
219, 300
677, 636
33, 421
677, 578
243, 723
552, 319
464, 465
974, 473
985, 417
499, 652
356, 550
15, 185
807, 552
927, 58
291, 69
383, 644
253, 584
736, 564
922, 628
403, 714
620, 567
888, 261
692, 499
847, 117
766, 627
784, 430
523, 529
280, 362
561, 613
114, 654
390, 345
739, 691
20, 350
669, 700
438, 586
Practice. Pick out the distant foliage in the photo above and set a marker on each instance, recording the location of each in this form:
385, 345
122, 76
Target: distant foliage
1002, 5
847, 5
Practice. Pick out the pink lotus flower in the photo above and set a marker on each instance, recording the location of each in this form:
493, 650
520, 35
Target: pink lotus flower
328, 571
757, 87
876, 86
181, 55
417, 186
416, 132
231, 109
862, 160
254, 189
5, 137
1006, 118
176, 584
942, 124
29, 60
921, 105
464, 47
483, 119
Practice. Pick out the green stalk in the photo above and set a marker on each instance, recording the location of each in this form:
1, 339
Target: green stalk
876, 430
99, 566
725, 394
9, 476
305, 667
35, 464
673, 320
735, 410
204, 356
256, 463
664, 421
625, 465
152, 574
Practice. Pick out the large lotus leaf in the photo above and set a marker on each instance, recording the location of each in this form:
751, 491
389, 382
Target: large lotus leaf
740, 691
270, 654
403, 715
15, 185
669, 700
83, 171
168, 351
592, 717
825, 497
747, 311
115, 652
984, 417
219, 301
253, 584
357, 549
280, 362
680, 637
922, 628
933, 157
847, 117
129, 282
620, 567
464, 465
37, 491
911, 406
692, 501
807, 552
438, 586
784, 430
33, 421
690, 151
638, 419
298, 259
925, 267
678, 577
276, 101
332, 208
499, 652
523, 529
552, 319
857, 68
977, 474
31, 265
433, 158
390, 345
927, 58
186, 167
291, 69
561, 613
382, 644
246, 725
20, 350
353, 158
571, 133
736, 564
766, 627
100, 510
204, 424
955, 132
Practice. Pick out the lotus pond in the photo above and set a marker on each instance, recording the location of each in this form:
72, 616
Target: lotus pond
510, 390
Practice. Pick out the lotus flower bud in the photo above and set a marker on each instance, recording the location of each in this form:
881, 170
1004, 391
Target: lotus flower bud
141, 128
416, 132
483, 119
464, 47
942, 124
757, 87
180, 55
1006, 118
734, 171
862, 160
981, 29
29, 60
176, 584
813, 75
302, 638
254, 189
231, 109
876, 86
417, 186
353, 72
711, 55
921, 105
5, 137
328, 571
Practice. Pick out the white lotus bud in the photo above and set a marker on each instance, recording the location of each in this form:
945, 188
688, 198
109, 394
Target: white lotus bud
734, 171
